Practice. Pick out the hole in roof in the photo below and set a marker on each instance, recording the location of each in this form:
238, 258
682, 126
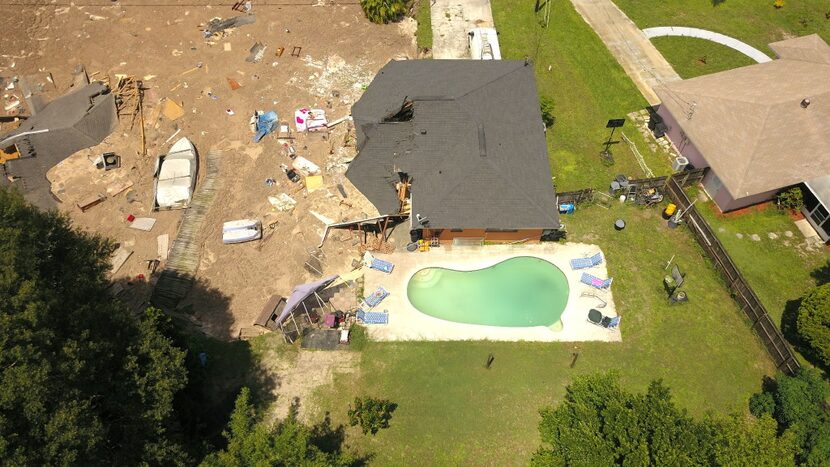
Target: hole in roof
404, 114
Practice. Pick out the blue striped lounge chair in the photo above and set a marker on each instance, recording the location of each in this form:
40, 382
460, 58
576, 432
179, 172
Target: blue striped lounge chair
595, 282
382, 265
373, 317
584, 263
376, 297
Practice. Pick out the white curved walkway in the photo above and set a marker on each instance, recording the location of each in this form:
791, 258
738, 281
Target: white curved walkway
730, 42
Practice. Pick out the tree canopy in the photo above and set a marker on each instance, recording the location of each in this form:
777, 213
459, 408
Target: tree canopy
288, 442
83, 380
813, 323
383, 11
599, 423
799, 405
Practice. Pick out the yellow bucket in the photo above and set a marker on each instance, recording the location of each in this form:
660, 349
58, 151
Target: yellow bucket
670, 210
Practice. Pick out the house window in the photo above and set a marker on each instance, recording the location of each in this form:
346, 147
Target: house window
456, 230
819, 214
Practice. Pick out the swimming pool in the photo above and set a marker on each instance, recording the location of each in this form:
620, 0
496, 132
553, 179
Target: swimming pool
518, 292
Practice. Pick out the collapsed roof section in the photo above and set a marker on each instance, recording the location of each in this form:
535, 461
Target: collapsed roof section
468, 133
75, 121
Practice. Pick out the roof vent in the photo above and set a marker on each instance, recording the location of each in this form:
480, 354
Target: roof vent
805, 103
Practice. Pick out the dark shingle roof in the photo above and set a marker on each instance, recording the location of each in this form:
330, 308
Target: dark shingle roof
474, 148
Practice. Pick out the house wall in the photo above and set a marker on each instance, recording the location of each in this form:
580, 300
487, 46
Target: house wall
684, 145
447, 235
719, 194
726, 202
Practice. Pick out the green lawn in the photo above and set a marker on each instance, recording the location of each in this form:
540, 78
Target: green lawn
756, 22
424, 32
777, 269
588, 87
692, 57
453, 411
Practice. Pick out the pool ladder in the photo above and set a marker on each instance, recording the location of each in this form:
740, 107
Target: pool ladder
591, 294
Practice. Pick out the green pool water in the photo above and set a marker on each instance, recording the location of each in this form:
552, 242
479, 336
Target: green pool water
518, 292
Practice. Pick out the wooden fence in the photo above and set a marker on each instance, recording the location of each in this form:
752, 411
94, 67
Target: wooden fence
752, 307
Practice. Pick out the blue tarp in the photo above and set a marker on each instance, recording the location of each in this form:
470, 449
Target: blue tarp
265, 123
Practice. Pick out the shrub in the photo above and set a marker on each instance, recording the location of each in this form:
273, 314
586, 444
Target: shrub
762, 403
371, 414
547, 111
791, 199
383, 11
813, 323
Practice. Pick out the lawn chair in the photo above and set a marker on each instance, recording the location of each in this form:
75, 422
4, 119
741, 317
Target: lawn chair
596, 317
595, 282
673, 282
373, 317
375, 298
381, 265
585, 263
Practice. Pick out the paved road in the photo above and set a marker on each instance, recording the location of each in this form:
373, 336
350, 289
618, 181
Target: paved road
698, 33
629, 45
451, 20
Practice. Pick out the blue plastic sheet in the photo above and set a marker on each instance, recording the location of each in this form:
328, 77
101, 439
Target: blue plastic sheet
265, 123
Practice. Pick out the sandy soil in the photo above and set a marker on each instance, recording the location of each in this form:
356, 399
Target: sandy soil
163, 46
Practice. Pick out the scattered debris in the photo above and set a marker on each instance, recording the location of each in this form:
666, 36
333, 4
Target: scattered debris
263, 123
295, 52
282, 202
162, 246
305, 166
325, 220
755, 237
87, 203
313, 183
218, 25
310, 119
172, 110
234, 84
118, 188
143, 223
257, 52
118, 259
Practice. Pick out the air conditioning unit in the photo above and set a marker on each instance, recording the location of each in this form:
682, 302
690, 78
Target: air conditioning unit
679, 164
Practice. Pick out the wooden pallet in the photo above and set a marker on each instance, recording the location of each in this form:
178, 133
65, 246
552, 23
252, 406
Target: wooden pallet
177, 277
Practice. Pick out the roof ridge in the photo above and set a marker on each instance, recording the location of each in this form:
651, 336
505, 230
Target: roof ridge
517, 68
753, 152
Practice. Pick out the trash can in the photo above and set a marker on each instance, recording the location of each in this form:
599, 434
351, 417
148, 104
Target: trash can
619, 224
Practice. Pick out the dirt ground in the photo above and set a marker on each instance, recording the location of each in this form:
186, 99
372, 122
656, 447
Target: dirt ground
163, 45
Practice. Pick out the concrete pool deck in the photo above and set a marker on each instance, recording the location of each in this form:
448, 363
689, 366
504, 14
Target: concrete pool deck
407, 323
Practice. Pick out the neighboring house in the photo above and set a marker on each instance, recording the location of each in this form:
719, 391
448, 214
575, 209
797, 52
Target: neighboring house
80, 119
469, 137
759, 128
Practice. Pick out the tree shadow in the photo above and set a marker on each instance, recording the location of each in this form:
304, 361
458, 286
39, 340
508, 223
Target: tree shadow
788, 322
716, 3
217, 369
822, 274
331, 439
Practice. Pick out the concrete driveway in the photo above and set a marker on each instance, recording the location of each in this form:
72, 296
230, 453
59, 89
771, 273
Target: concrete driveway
451, 20
639, 58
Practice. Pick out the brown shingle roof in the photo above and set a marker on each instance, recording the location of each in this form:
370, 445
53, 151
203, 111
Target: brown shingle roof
749, 123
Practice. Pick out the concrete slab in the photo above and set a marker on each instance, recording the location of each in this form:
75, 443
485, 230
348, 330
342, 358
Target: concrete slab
407, 323
806, 229
629, 45
451, 20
